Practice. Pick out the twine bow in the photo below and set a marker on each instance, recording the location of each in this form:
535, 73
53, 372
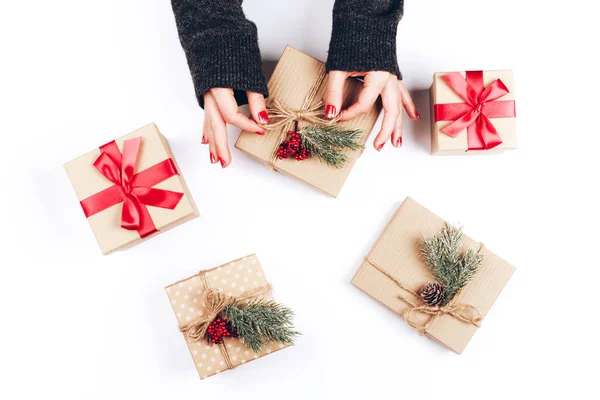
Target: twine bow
215, 302
463, 312
286, 117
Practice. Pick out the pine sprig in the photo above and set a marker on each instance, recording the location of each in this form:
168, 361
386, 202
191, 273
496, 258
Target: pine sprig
328, 142
261, 322
451, 268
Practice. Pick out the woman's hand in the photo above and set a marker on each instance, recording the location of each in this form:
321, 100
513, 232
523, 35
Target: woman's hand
394, 96
220, 109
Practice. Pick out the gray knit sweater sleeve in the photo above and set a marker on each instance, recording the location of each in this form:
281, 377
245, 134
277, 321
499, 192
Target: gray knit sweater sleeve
364, 36
221, 46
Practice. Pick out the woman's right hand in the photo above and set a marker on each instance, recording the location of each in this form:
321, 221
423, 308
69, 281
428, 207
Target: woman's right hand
220, 109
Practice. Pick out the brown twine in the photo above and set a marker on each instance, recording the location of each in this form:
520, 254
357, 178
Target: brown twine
286, 117
215, 302
463, 312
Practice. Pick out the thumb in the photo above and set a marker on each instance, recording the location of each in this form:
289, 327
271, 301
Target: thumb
334, 93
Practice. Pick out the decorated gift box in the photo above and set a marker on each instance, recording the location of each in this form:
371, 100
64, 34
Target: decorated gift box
228, 317
299, 142
473, 112
440, 281
130, 189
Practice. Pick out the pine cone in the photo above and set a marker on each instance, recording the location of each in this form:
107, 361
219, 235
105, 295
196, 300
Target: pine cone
432, 293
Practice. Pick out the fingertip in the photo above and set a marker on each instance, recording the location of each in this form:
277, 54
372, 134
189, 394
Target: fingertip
224, 163
378, 146
263, 117
330, 111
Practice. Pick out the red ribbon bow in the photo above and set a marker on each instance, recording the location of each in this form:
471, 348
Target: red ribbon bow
474, 115
135, 191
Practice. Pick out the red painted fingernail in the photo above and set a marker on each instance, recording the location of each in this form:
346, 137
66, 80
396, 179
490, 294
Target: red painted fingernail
380, 146
417, 114
330, 111
204, 140
213, 159
260, 133
222, 162
399, 142
263, 117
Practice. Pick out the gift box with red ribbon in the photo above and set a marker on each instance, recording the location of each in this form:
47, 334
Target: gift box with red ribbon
130, 189
473, 112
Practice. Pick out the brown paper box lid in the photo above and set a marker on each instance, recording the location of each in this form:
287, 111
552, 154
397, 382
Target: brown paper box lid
294, 76
106, 225
234, 279
397, 252
441, 93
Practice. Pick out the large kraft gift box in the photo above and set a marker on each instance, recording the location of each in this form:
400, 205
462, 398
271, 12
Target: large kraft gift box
296, 76
236, 279
131, 189
396, 256
473, 112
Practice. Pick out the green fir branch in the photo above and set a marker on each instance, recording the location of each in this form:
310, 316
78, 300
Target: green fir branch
327, 142
451, 268
261, 322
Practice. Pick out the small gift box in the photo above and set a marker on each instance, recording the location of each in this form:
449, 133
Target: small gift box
296, 90
130, 189
440, 281
210, 305
473, 112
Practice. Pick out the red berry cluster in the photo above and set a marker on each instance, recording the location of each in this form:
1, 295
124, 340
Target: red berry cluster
220, 329
292, 147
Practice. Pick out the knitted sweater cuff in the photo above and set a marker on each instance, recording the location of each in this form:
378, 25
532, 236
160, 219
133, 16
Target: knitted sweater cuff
363, 43
229, 60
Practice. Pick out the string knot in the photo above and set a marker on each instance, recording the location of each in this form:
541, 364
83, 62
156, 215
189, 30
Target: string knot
463, 312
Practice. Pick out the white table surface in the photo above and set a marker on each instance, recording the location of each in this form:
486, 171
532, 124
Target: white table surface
79, 325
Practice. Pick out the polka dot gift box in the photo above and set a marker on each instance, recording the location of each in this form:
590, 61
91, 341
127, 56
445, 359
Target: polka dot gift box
228, 317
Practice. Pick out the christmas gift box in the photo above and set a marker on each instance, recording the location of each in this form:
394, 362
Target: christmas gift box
473, 112
130, 189
439, 280
299, 142
228, 317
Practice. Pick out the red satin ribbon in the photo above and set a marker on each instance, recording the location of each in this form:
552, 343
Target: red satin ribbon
135, 191
480, 105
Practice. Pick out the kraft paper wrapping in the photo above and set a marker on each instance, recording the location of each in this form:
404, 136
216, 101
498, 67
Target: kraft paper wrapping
397, 251
106, 225
235, 279
441, 93
293, 78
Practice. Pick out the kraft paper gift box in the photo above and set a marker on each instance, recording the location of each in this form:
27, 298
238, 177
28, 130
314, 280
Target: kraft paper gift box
131, 189
396, 257
473, 112
235, 279
296, 76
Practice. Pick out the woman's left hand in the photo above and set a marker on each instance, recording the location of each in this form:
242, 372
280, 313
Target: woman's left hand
394, 97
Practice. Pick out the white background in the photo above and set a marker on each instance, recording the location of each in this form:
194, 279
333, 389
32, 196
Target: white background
78, 325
